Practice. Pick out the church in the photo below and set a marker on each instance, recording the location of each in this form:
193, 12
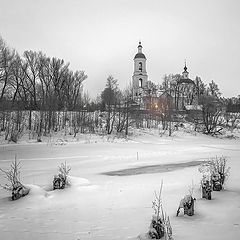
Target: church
148, 96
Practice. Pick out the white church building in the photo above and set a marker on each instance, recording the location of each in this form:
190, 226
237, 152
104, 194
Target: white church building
146, 94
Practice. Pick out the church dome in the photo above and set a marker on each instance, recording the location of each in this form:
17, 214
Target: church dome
140, 55
186, 80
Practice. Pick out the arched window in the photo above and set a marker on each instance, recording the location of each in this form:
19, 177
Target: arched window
140, 82
140, 66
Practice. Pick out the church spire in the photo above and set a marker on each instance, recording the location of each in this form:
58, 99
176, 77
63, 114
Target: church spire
185, 72
185, 68
140, 47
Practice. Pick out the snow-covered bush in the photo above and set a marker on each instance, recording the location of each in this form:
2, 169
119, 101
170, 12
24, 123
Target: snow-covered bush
206, 186
14, 184
187, 203
60, 180
215, 171
160, 224
206, 182
219, 166
216, 182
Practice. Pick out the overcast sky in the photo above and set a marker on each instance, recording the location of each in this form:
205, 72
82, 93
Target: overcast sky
101, 37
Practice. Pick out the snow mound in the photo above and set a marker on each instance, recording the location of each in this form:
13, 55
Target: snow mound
36, 191
143, 237
78, 182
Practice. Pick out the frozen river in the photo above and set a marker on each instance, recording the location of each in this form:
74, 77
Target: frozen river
118, 206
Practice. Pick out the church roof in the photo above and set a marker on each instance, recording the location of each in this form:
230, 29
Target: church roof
165, 94
140, 55
185, 80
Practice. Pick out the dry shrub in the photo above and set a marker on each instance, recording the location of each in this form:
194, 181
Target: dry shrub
60, 180
12, 175
160, 224
13, 181
219, 166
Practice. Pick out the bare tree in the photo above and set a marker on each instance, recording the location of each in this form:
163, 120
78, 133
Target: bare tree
30, 68
232, 120
110, 98
73, 89
6, 60
213, 89
211, 112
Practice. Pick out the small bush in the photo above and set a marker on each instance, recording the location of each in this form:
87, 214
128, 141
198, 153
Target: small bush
216, 171
187, 203
14, 184
160, 224
219, 166
60, 180
12, 175
206, 186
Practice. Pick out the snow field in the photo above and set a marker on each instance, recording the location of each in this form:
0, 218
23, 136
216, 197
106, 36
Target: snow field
97, 206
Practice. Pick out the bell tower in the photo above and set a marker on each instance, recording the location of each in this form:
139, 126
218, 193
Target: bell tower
140, 77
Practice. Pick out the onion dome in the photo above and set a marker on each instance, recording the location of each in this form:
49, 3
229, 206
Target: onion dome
140, 55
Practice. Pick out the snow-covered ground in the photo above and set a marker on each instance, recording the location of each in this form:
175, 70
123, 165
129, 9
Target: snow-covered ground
99, 206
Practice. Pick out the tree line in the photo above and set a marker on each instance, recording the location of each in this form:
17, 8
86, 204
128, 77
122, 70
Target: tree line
42, 94
35, 81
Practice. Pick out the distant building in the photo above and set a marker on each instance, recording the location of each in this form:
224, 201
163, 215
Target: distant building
143, 90
184, 79
148, 96
140, 77
186, 91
